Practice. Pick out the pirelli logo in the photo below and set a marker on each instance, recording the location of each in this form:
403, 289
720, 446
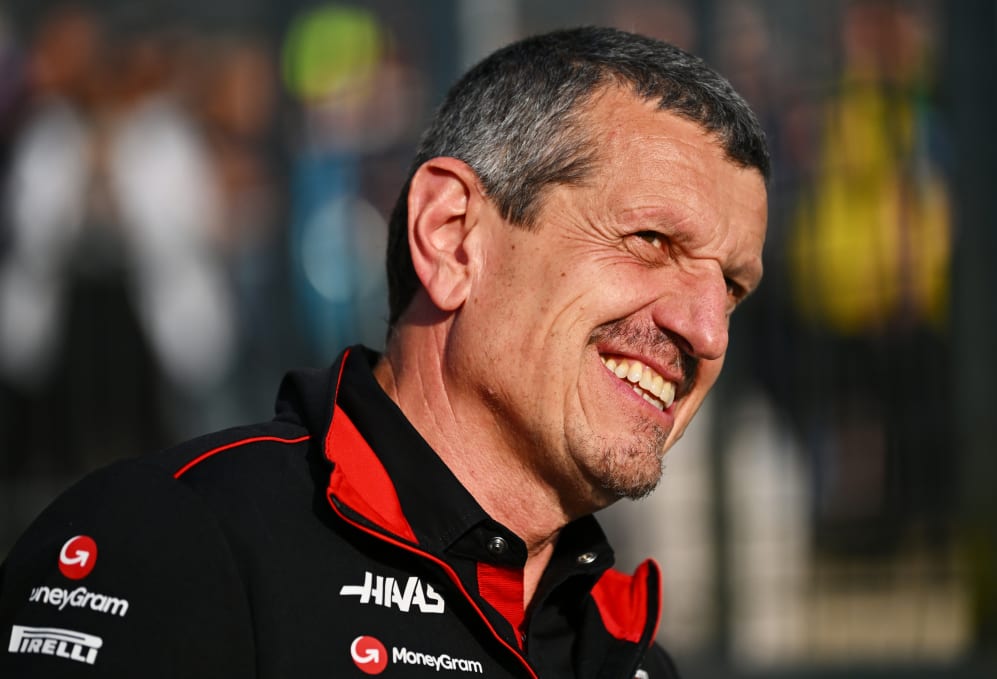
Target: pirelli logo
60, 643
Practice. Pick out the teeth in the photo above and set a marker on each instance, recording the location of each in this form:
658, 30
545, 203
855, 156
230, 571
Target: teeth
667, 393
657, 384
655, 389
653, 401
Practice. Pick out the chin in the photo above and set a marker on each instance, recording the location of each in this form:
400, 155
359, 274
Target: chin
634, 471
632, 490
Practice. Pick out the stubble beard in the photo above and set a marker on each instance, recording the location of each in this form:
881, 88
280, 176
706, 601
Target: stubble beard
627, 470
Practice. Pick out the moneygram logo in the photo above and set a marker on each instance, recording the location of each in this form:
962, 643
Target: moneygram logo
436, 662
369, 654
80, 597
78, 557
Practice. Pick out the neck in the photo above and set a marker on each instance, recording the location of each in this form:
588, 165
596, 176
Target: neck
468, 440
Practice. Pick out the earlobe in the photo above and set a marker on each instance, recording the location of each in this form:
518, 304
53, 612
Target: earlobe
442, 203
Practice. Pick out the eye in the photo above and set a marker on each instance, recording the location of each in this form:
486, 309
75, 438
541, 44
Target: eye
652, 237
733, 288
735, 292
653, 248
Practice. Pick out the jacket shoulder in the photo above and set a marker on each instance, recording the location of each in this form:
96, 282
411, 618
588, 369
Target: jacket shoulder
137, 560
126, 569
239, 448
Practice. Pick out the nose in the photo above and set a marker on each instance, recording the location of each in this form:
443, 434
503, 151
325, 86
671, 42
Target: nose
693, 309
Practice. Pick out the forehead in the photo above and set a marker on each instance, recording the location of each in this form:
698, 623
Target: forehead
649, 159
630, 129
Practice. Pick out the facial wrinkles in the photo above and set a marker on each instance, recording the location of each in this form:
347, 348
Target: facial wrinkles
701, 208
694, 238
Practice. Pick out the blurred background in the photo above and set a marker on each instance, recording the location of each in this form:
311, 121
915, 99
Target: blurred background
193, 198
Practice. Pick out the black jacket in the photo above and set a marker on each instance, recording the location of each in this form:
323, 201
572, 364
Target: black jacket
331, 541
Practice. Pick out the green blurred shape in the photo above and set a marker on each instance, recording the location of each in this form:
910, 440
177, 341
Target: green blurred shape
330, 50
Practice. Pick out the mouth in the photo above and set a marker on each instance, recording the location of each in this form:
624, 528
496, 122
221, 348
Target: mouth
645, 381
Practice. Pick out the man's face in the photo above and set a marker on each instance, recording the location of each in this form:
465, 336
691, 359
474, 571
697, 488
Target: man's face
594, 338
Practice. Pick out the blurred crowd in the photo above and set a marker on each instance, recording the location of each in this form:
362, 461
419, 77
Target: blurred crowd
189, 207
134, 188
185, 210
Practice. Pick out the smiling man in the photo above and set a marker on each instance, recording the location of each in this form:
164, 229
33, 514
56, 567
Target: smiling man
584, 214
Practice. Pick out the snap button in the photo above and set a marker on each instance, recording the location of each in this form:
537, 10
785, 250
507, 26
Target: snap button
586, 558
498, 546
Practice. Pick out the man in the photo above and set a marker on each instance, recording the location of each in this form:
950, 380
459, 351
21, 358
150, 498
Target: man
582, 217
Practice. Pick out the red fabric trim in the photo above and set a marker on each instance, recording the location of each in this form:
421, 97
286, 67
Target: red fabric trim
235, 444
622, 601
502, 587
339, 377
360, 480
447, 568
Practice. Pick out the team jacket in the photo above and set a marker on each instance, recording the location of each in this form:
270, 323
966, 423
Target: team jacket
329, 542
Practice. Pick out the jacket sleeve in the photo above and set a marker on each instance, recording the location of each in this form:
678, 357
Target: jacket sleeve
127, 574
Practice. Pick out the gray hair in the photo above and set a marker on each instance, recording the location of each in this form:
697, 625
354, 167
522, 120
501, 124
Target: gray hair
517, 119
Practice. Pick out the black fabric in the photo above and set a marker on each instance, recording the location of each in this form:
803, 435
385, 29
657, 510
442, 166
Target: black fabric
233, 562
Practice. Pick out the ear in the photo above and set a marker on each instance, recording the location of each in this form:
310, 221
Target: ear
443, 201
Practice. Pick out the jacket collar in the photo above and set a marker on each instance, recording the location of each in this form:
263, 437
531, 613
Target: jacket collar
404, 480
406, 490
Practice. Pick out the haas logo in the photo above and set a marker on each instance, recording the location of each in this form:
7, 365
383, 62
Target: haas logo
369, 654
78, 557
